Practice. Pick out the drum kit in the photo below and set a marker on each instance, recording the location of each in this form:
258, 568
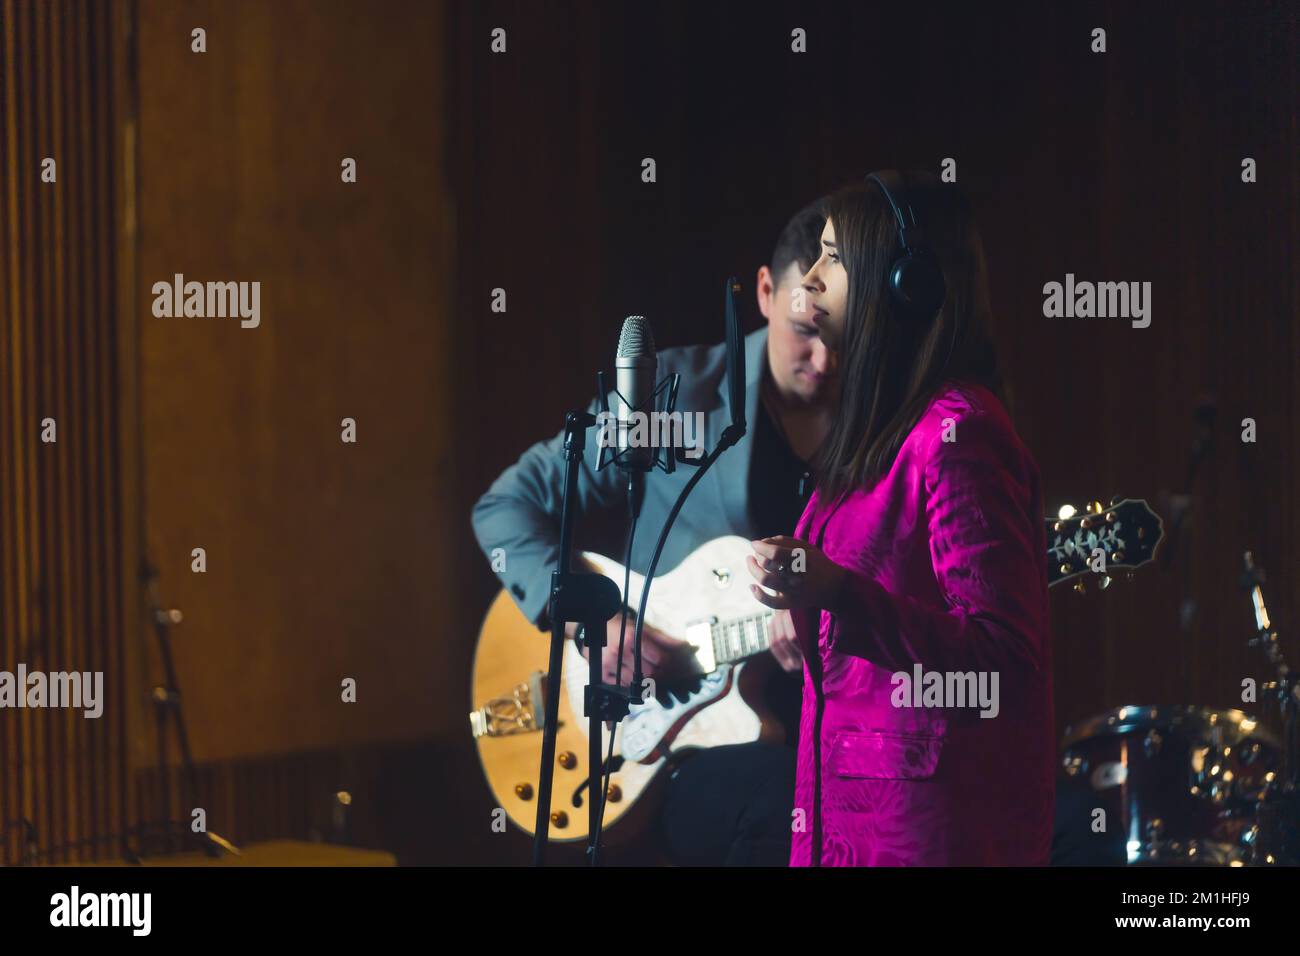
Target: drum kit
1193, 786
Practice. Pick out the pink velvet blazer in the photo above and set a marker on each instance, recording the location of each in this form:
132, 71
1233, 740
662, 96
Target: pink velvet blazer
948, 570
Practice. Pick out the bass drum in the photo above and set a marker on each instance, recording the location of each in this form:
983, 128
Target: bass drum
1181, 782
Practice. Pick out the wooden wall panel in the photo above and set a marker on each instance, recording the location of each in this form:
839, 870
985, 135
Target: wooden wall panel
325, 560
64, 790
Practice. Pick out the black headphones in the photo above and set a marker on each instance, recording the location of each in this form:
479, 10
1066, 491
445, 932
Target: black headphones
916, 285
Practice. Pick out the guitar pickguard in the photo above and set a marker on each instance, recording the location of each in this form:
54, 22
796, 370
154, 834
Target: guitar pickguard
650, 727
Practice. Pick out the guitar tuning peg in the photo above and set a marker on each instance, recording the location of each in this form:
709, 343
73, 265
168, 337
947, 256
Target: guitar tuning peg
1095, 507
1105, 581
1066, 513
1080, 587
1116, 500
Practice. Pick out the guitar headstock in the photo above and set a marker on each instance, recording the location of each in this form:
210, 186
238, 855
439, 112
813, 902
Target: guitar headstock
1127, 533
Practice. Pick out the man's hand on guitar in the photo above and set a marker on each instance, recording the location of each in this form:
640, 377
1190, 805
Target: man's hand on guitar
662, 657
785, 645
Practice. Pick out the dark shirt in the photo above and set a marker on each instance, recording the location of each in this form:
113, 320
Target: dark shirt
776, 477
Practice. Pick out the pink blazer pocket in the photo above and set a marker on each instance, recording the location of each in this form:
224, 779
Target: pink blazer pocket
883, 755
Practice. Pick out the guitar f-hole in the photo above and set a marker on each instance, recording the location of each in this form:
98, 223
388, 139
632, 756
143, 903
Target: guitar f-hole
611, 766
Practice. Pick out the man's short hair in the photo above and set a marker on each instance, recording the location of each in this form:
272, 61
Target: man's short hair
800, 241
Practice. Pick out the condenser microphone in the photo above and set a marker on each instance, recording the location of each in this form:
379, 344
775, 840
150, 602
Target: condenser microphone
635, 369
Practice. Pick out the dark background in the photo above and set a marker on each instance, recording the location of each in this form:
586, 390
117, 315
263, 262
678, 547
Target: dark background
522, 171
1115, 166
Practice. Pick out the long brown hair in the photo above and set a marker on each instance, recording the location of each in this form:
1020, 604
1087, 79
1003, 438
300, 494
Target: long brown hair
891, 365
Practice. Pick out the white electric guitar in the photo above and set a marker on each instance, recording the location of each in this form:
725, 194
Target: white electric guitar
706, 601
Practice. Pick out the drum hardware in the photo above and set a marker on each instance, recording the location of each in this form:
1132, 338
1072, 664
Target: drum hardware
1180, 782
1274, 837
1193, 786
1151, 743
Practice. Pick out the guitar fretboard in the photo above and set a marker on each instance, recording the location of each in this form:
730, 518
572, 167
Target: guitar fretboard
1075, 541
741, 637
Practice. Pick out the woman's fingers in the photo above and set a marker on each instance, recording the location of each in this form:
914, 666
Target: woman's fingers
785, 572
775, 579
775, 549
778, 601
772, 581
781, 548
769, 579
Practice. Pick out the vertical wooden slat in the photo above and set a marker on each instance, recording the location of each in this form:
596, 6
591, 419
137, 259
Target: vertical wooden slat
80, 399
25, 503
82, 391
8, 598
78, 585
59, 326
59, 592
102, 562
125, 603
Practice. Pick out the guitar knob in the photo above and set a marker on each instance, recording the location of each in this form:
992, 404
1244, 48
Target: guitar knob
567, 760
559, 819
1105, 581
1080, 587
524, 791
1118, 557
1095, 507
614, 794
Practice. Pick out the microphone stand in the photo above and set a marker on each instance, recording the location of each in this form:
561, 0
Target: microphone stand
730, 436
592, 599
589, 600
167, 703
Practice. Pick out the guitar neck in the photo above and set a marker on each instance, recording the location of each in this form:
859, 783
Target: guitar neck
1125, 535
741, 637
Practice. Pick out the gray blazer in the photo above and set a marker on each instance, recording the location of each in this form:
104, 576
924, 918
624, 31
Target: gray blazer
520, 512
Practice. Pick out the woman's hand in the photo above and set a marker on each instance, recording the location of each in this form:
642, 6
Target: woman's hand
800, 574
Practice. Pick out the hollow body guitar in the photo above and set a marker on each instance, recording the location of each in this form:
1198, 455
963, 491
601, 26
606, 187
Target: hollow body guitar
705, 601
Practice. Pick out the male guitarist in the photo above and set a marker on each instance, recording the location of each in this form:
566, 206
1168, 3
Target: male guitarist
729, 804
